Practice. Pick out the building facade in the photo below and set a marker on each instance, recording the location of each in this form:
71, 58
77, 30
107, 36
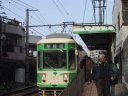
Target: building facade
120, 21
12, 48
12, 40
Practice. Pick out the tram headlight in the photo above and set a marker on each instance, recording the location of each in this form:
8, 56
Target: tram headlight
65, 77
44, 77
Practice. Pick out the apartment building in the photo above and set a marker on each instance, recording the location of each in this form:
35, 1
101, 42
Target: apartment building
120, 21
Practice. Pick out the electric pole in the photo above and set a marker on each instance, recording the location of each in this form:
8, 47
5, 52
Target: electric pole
99, 6
27, 45
100, 12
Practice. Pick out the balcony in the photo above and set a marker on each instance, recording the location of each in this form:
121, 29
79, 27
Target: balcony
125, 12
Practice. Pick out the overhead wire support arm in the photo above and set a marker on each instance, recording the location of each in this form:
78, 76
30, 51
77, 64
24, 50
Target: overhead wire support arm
50, 25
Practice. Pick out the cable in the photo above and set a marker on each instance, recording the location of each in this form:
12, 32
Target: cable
38, 32
39, 18
65, 10
59, 9
19, 4
27, 4
84, 10
22, 10
21, 18
14, 5
43, 17
13, 12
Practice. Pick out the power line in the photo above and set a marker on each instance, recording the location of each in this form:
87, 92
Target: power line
59, 9
13, 12
19, 4
65, 10
22, 11
27, 4
14, 5
38, 32
84, 10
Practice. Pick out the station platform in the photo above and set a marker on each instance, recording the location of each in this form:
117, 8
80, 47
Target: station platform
115, 90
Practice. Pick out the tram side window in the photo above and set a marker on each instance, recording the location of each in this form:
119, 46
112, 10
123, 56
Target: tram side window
72, 59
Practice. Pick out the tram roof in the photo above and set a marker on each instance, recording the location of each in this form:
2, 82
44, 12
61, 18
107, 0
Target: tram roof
56, 40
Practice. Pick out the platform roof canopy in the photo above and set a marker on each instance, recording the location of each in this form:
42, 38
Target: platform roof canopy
96, 37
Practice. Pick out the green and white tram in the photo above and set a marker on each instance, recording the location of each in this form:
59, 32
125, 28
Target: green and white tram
57, 63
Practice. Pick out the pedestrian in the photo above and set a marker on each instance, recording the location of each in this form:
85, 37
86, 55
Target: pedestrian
101, 75
87, 64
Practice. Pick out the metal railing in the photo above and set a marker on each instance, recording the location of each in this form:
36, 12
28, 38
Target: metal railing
75, 88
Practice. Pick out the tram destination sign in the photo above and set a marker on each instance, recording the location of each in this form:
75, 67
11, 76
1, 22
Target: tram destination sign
89, 29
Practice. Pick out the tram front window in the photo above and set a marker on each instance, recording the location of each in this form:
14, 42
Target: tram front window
54, 59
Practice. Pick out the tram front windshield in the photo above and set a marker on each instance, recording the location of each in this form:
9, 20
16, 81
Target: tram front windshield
54, 59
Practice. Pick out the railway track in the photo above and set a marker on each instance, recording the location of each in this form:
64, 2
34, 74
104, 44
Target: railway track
26, 91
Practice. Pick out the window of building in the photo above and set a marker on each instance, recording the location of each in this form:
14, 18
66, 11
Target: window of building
118, 22
125, 11
21, 49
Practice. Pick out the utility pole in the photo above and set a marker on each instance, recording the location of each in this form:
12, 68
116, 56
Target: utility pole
99, 6
27, 45
100, 12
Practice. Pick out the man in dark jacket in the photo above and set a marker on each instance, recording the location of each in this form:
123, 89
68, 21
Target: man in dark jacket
101, 75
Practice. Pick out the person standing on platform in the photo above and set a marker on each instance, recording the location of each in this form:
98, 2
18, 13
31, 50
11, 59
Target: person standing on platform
101, 75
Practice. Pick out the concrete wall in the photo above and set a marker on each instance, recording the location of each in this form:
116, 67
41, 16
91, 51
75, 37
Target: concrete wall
121, 40
122, 33
125, 63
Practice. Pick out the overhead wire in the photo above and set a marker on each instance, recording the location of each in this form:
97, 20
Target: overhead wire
84, 11
38, 32
65, 10
43, 18
14, 5
20, 10
27, 4
19, 4
13, 12
59, 9
42, 21
54, 2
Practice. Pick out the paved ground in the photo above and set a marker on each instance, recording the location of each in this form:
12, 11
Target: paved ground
89, 89
115, 90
